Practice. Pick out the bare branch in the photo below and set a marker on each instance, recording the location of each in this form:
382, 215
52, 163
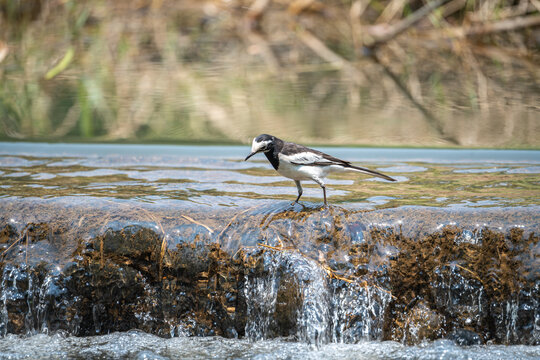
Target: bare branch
256, 10
431, 119
380, 37
491, 27
327, 54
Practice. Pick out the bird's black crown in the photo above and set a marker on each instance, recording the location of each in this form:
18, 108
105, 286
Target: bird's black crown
264, 137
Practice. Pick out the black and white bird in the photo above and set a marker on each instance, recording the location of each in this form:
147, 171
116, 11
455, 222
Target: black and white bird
299, 163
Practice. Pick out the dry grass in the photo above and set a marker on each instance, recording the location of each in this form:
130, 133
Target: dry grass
222, 71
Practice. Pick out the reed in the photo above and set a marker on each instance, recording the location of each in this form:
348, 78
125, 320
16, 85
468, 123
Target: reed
335, 72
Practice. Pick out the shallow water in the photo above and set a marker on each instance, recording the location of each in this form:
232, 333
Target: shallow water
138, 345
211, 176
123, 236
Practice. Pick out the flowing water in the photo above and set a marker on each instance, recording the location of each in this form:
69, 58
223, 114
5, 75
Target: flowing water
207, 256
137, 345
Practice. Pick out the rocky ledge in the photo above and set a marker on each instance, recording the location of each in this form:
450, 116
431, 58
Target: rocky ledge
314, 274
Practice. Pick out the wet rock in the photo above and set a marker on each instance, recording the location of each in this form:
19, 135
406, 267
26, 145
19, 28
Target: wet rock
421, 323
288, 303
313, 274
463, 337
8, 235
358, 311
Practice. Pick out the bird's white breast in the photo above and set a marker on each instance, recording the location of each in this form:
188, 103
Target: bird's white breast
300, 172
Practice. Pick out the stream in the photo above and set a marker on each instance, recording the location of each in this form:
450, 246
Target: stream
163, 252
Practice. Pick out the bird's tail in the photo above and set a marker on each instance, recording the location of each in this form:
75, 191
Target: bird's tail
369, 172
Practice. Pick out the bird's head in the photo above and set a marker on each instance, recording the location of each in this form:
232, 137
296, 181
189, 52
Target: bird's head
262, 143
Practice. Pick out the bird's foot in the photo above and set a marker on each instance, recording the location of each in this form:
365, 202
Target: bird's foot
298, 203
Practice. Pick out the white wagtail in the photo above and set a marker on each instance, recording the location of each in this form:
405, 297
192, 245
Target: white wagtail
299, 163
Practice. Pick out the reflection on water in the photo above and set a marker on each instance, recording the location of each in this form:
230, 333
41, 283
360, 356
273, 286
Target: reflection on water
214, 71
219, 177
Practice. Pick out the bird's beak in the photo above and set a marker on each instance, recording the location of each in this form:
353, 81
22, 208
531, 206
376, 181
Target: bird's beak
250, 155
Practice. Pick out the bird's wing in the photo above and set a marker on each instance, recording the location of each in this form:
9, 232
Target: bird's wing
301, 155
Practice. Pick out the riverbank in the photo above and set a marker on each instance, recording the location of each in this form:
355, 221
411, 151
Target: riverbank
464, 74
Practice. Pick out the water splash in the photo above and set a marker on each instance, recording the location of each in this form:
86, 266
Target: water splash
326, 311
261, 296
358, 312
314, 313
536, 307
15, 289
288, 272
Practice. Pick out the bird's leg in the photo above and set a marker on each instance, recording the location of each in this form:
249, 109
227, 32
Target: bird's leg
299, 187
321, 184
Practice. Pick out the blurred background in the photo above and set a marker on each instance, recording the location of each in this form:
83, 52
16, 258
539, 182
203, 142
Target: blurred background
443, 73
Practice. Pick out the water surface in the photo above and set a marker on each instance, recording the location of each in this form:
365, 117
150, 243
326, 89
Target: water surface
215, 176
190, 242
137, 345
